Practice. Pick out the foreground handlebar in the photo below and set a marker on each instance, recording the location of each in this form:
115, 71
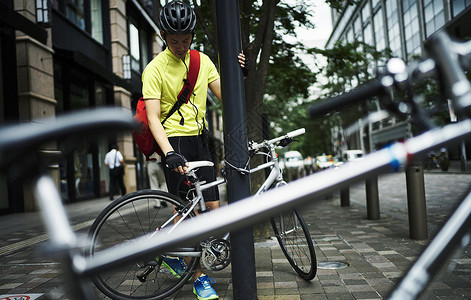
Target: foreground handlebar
361, 93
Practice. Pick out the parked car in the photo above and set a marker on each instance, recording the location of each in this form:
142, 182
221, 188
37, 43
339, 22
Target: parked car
325, 161
350, 155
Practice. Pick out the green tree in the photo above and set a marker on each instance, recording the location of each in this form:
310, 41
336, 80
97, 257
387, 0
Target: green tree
347, 66
275, 69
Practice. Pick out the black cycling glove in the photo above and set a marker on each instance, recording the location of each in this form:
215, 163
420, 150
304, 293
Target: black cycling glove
174, 160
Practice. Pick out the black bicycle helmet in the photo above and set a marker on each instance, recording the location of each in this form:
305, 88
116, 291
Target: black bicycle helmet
177, 17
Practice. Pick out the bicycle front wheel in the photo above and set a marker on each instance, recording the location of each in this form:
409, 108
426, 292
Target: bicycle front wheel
127, 218
296, 242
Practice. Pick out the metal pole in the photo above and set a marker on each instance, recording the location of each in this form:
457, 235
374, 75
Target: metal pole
416, 202
372, 198
235, 143
345, 197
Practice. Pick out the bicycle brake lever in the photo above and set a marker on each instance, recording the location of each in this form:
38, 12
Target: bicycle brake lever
286, 141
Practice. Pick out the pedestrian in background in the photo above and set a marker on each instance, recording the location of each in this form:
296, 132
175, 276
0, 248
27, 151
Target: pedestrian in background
115, 162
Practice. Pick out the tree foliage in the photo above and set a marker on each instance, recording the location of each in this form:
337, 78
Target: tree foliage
275, 68
342, 68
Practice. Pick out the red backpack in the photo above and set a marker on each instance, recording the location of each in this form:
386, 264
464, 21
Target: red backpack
143, 136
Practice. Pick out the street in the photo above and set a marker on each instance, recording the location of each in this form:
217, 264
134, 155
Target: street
376, 252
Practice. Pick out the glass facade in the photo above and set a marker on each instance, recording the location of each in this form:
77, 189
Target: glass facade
402, 25
358, 29
434, 16
394, 34
411, 27
379, 30
368, 34
457, 6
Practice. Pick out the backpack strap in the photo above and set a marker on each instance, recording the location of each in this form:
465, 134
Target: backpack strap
189, 83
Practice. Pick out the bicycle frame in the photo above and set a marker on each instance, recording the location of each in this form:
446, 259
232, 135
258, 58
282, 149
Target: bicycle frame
274, 176
250, 210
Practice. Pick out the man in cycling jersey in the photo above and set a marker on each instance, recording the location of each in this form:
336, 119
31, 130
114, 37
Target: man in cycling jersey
181, 137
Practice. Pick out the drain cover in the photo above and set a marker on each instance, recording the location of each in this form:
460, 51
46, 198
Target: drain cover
331, 265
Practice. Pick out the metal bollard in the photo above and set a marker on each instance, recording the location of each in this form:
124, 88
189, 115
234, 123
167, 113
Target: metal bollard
345, 197
416, 203
372, 198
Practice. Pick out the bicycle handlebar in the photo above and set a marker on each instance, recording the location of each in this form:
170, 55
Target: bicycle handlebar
289, 135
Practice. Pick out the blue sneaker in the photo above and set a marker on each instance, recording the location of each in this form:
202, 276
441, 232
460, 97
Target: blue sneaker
175, 265
203, 289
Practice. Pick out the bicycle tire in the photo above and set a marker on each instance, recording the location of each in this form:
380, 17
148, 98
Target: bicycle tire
296, 245
126, 218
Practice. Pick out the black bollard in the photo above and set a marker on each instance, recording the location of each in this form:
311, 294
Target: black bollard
372, 198
345, 197
416, 203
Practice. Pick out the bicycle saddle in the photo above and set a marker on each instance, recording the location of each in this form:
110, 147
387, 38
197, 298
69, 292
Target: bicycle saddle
198, 164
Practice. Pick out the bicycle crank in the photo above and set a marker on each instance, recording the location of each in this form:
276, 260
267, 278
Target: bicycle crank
216, 254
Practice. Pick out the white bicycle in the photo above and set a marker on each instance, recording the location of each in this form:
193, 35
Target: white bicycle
134, 215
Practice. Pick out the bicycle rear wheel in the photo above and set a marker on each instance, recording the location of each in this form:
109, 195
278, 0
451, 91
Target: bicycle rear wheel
129, 217
296, 242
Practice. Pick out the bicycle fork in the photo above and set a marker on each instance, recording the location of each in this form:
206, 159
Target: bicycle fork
284, 231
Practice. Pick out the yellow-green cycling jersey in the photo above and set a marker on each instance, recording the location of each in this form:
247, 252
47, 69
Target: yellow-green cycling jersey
163, 79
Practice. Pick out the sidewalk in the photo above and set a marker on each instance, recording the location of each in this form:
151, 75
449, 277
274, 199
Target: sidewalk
377, 252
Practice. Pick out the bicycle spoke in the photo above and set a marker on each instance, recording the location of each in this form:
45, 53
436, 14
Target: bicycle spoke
131, 216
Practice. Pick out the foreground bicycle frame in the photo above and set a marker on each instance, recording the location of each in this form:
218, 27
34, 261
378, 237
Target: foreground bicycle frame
248, 211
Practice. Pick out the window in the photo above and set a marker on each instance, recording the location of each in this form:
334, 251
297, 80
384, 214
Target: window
134, 47
458, 6
96, 20
379, 30
434, 16
394, 34
75, 12
358, 29
367, 27
350, 35
365, 13
368, 34
411, 27
42, 12
144, 48
86, 14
